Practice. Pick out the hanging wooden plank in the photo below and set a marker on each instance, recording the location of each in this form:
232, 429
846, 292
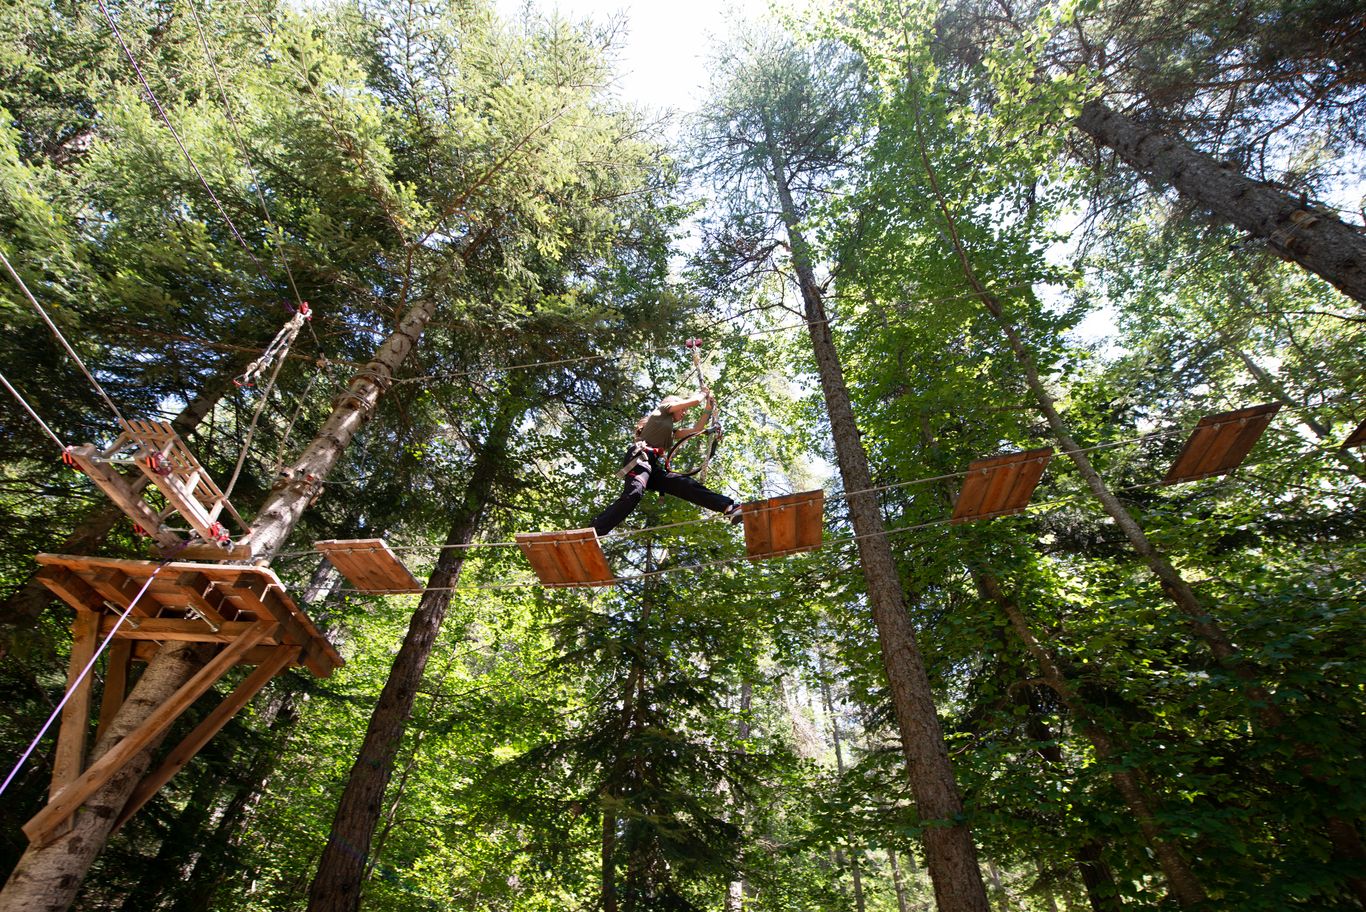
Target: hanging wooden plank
1357, 437
1220, 443
369, 564
572, 558
783, 525
1000, 485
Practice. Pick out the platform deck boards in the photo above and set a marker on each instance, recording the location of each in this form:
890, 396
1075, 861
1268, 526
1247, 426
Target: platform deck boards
1357, 437
784, 525
369, 564
1000, 485
235, 593
572, 558
1220, 443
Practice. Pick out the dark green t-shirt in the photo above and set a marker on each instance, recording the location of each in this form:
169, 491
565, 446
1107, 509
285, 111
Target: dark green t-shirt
658, 429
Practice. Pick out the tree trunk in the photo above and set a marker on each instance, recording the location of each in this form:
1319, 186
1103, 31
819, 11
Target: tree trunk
735, 888
854, 870
949, 852
1314, 238
48, 876
897, 882
21, 610
337, 885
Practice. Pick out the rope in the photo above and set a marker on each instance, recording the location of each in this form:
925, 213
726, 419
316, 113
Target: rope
23, 758
251, 166
278, 346
156, 103
62, 339
28, 408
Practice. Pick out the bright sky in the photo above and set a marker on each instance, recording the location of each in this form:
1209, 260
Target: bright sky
665, 45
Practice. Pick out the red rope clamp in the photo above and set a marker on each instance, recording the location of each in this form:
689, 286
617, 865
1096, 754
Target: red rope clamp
70, 460
219, 536
158, 464
141, 532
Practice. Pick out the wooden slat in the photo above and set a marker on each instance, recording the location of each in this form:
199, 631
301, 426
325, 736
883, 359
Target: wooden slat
1220, 443
572, 558
203, 733
75, 725
783, 525
1357, 437
204, 598
121, 589
115, 683
369, 564
44, 825
260, 596
1000, 485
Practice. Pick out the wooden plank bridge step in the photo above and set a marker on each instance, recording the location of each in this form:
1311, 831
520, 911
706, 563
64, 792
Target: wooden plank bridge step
783, 525
561, 559
1000, 485
1220, 443
369, 565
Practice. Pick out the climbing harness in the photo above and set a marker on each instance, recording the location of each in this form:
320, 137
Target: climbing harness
692, 453
638, 455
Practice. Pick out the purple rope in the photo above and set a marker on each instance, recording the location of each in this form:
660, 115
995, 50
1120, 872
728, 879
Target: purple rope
77, 683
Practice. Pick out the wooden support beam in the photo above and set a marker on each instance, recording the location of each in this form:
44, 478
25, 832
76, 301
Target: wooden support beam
120, 589
185, 751
45, 825
115, 683
186, 630
126, 493
70, 588
71, 736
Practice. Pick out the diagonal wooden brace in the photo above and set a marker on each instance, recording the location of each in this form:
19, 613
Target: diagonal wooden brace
185, 751
47, 823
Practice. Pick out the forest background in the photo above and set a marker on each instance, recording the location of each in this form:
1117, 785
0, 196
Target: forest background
1129, 696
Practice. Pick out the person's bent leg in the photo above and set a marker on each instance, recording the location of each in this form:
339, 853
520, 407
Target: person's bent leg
693, 491
631, 493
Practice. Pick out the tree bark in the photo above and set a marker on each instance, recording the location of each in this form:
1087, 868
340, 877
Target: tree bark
950, 854
826, 695
341, 869
735, 887
897, 882
1314, 238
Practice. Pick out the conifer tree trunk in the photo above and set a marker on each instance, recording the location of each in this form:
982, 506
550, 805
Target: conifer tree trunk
1314, 238
735, 888
337, 884
48, 876
826, 695
949, 852
897, 883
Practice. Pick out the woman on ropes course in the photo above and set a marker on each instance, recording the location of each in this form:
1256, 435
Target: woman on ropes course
642, 469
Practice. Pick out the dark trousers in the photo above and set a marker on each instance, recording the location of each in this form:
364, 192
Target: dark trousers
654, 478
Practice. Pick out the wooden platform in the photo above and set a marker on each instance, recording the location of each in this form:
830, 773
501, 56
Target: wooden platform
1356, 438
784, 525
572, 558
1220, 443
1000, 485
244, 610
369, 565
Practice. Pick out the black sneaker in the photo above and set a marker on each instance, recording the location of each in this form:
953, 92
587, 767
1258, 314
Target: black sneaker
733, 514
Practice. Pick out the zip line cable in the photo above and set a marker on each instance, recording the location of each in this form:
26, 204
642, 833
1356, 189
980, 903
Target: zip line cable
843, 540
251, 165
845, 495
28, 408
156, 103
62, 339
